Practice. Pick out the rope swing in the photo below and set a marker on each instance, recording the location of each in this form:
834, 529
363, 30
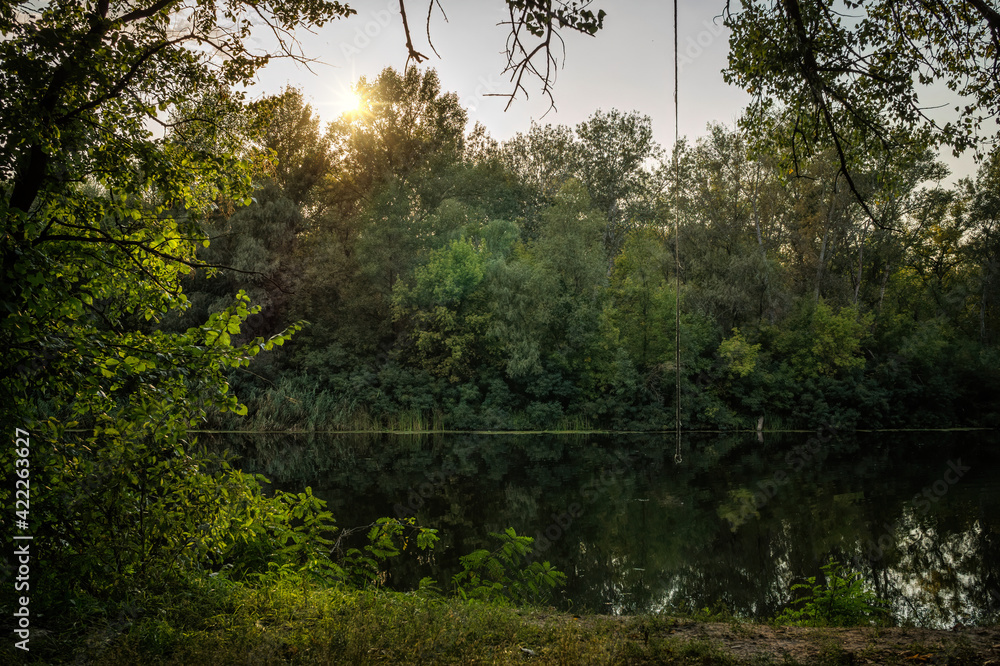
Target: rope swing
677, 255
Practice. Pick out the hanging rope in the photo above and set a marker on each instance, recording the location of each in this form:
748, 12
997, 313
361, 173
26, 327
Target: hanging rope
677, 253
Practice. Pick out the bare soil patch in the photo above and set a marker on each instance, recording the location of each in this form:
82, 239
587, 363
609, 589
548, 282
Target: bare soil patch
867, 645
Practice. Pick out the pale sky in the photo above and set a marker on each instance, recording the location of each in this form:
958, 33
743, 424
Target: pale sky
627, 66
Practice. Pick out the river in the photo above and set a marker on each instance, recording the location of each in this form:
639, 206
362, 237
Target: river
732, 525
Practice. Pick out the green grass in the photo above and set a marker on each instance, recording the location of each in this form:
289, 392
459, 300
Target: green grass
214, 621
218, 622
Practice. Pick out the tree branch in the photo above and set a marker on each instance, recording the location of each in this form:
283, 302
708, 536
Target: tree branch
412, 53
430, 10
121, 243
139, 14
810, 68
119, 86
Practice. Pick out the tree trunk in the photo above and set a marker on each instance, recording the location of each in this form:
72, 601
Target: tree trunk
861, 263
822, 250
756, 210
885, 282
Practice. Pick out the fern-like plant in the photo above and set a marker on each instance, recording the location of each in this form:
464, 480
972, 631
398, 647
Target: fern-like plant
504, 575
387, 538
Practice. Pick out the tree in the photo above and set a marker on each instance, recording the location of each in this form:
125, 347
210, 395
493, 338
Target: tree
546, 300
544, 158
378, 204
285, 127
819, 341
612, 154
80, 84
446, 327
618, 161
101, 221
728, 227
86, 183
643, 298
404, 122
860, 75
983, 245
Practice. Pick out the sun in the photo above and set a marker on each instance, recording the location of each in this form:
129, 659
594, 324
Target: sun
352, 102
342, 98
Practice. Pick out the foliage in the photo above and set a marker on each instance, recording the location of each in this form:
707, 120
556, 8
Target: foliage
738, 355
404, 121
130, 495
613, 155
823, 342
101, 222
857, 78
446, 329
107, 229
478, 289
841, 600
505, 575
387, 538
286, 537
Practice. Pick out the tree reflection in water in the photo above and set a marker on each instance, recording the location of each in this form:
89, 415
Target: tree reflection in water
637, 533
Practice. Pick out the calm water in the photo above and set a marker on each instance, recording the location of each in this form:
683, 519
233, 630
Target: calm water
736, 522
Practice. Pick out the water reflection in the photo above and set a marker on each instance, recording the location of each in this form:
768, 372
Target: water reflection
736, 523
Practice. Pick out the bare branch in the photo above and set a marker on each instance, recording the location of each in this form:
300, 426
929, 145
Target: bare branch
412, 53
430, 10
520, 60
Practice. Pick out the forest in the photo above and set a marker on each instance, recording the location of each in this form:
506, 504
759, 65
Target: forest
183, 255
445, 280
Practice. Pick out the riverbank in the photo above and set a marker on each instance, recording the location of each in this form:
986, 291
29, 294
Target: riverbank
218, 622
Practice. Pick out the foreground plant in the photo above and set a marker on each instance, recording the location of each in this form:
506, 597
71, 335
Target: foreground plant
505, 574
842, 600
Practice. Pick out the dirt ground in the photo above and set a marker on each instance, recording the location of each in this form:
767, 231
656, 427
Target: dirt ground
868, 645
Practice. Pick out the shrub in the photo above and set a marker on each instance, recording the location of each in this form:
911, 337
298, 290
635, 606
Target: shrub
843, 600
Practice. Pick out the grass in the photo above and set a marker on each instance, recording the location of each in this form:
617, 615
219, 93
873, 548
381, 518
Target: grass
218, 622
285, 620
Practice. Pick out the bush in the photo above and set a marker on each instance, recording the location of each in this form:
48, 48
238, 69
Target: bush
842, 600
504, 574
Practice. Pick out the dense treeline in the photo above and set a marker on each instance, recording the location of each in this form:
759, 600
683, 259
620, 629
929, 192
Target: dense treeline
449, 280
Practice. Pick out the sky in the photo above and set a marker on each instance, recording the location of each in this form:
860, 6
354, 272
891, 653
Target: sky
627, 66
